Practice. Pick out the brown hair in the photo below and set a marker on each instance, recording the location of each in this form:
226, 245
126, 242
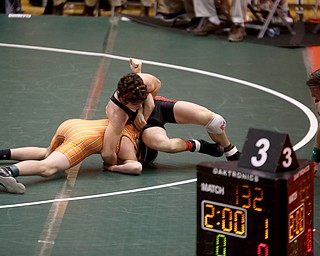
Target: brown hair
314, 79
132, 89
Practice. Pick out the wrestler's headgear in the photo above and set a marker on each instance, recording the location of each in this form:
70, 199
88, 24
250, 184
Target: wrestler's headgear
132, 89
314, 79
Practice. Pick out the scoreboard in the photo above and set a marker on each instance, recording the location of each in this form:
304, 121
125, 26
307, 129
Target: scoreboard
261, 205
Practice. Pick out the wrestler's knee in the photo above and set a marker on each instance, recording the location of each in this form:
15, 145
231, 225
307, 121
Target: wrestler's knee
47, 170
216, 125
49, 167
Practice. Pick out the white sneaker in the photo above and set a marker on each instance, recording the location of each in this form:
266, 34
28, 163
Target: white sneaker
10, 183
278, 20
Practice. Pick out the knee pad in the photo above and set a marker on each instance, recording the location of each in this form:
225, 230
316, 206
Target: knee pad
216, 125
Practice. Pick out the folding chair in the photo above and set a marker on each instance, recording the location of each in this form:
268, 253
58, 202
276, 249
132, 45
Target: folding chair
69, 4
133, 3
265, 23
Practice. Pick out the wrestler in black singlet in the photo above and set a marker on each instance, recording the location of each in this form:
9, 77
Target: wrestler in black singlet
162, 113
132, 114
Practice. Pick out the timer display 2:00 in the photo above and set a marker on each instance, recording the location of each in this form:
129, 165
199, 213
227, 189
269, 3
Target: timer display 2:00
296, 222
224, 219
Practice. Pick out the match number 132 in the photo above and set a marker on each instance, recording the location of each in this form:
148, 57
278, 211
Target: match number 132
264, 145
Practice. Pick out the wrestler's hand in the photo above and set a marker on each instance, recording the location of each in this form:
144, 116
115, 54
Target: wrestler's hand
107, 167
127, 167
135, 65
139, 122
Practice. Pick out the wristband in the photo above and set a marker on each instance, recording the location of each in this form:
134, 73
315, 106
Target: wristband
315, 155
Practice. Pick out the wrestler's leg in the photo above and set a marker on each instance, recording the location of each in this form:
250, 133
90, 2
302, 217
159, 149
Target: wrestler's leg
157, 138
191, 113
154, 139
29, 153
53, 163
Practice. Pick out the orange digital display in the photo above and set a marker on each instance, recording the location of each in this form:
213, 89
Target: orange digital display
224, 219
296, 222
243, 212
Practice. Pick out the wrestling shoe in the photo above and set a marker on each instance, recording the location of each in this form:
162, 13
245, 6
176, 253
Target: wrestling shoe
234, 157
10, 183
232, 153
212, 149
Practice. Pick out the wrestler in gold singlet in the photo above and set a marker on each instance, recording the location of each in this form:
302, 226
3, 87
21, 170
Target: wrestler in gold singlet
79, 138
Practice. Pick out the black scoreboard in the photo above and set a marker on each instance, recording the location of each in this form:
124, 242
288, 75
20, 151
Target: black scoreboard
261, 205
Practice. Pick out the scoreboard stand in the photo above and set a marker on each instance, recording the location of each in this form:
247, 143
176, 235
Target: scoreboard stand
261, 205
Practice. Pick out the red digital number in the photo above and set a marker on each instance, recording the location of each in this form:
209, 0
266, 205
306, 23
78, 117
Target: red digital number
263, 250
309, 240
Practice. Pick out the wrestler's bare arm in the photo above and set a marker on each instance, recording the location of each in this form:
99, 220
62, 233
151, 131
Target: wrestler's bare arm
117, 122
153, 83
135, 65
144, 113
128, 167
127, 160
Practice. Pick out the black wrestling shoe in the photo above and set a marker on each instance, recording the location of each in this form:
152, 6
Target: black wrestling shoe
234, 157
10, 183
212, 149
